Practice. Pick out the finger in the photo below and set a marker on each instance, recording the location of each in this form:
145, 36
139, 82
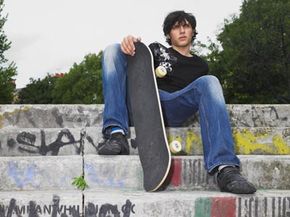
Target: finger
129, 44
125, 49
124, 46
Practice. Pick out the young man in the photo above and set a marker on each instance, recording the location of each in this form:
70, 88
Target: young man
185, 89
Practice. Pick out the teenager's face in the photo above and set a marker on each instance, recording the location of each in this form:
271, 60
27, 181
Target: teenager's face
181, 34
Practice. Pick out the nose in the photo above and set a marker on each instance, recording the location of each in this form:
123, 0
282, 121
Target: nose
181, 29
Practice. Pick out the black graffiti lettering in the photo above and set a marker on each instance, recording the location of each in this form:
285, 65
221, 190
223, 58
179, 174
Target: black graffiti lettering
27, 143
274, 114
75, 212
250, 206
240, 207
11, 207
60, 209
70, 209
265, 206
33, 209
91, 141
11, 143
67, 209
2, 211
55, 204
91, 210
46, 209
287, 209
109, 210
279, 207
284, 205
128, 208
26, 138
58, 143
75, 209
20, 210
273, 206
58, 118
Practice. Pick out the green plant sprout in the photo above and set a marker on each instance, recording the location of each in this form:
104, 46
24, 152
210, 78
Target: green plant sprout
80, 183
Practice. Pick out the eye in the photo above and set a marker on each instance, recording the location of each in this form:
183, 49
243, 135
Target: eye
176, 26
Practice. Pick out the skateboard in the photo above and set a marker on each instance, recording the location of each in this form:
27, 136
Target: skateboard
153, 149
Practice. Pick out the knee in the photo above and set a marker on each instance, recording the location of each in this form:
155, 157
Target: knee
111, 51
210, 83
113, 60
209, 79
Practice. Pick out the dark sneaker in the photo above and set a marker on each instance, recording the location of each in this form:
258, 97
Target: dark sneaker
230, 180
116, 144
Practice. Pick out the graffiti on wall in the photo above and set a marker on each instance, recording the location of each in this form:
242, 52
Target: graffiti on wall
55, 209
243, 206
26, 142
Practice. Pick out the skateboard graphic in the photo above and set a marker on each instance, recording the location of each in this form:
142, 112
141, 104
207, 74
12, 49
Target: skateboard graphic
147, 116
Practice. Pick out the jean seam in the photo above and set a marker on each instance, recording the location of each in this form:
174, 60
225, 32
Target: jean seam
207, 133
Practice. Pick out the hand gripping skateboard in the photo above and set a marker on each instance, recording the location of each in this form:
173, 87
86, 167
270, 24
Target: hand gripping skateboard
147, 116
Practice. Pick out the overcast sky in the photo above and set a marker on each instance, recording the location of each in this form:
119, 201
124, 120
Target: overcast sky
48, 36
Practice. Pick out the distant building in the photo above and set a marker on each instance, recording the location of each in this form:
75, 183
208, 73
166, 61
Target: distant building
58, 75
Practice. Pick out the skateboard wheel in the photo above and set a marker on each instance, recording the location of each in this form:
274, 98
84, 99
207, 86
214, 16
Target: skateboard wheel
160, 71
175, 146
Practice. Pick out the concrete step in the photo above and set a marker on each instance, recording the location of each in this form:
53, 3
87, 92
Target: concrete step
70, 116
39, 173
187, 172
71, 141
125, 172
140, 204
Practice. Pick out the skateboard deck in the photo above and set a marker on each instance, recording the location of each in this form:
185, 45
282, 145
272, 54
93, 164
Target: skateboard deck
147, 116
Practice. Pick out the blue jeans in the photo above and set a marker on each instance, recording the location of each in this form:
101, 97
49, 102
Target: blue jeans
204, 95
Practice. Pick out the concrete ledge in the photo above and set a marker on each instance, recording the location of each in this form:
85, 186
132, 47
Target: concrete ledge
185, 204
71, 141
41, 203
58, 116
39, 173
187, 172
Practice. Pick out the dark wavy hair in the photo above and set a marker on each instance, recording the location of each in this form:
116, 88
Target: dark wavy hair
178, 16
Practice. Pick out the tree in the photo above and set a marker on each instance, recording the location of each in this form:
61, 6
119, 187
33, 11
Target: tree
7, 71
253, 64
83, 83
38, 91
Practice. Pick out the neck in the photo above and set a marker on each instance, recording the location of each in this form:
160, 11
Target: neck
185, 51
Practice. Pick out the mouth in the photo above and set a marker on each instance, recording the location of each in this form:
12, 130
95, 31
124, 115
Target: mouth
182, 38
